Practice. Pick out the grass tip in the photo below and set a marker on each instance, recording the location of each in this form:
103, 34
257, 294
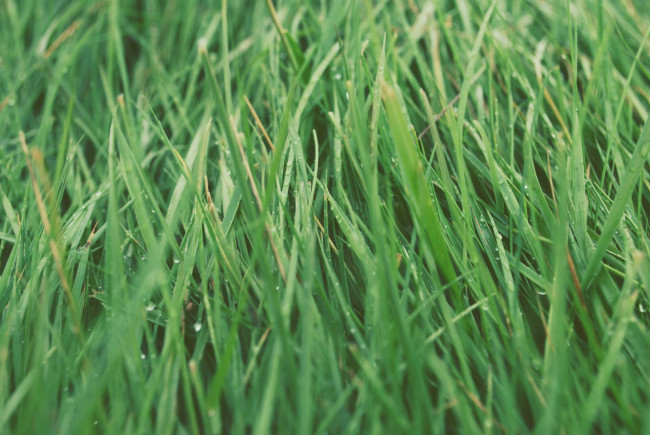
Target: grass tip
202, 46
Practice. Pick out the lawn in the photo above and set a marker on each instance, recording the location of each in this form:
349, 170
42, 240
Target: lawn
343, 216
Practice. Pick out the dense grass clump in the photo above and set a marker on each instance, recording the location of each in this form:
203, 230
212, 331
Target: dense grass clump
324, 217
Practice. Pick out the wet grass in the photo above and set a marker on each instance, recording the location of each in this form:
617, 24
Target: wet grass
324, 217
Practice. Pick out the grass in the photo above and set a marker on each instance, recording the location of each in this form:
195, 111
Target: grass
324, 217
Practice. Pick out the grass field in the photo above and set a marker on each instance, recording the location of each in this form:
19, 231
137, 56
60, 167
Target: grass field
345, 216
